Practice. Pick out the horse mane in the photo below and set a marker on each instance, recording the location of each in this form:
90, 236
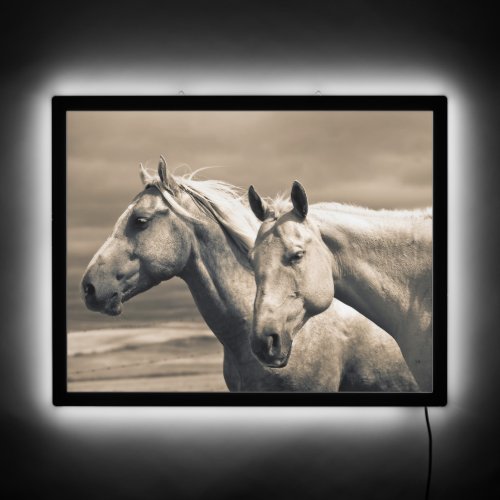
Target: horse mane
356, 209
219, 200
280, 205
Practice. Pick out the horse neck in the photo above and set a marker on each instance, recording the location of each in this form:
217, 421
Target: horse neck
222, 287
382, 263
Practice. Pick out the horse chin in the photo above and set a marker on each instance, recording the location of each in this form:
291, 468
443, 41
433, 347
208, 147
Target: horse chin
113, 311
114, 306
280, 362
279, 359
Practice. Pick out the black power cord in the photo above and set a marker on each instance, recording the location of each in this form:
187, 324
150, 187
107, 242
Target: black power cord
429, 470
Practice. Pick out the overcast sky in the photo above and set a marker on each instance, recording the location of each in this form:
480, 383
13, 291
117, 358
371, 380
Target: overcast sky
374, 159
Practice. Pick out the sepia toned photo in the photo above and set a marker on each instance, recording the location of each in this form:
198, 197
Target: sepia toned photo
280, 251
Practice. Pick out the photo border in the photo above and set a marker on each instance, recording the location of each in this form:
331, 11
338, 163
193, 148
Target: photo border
63, 104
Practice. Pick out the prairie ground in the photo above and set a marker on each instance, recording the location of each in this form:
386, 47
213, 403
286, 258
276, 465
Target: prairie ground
174, 357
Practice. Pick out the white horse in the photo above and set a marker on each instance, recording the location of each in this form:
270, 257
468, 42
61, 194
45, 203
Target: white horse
201, 231
377, 261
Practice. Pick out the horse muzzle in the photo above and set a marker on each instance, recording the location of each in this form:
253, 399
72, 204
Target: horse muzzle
102, 299
272, 349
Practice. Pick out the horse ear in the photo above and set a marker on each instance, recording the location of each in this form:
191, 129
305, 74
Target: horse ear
166, 178
257, 204
145, 177
299, 200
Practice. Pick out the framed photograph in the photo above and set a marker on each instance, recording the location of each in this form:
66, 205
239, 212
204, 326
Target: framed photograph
249, 250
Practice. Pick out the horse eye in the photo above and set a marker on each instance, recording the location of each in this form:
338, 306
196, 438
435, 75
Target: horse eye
297, 256
141, 222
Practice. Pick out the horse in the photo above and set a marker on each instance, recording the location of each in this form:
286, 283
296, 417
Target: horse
202, 232
377, 261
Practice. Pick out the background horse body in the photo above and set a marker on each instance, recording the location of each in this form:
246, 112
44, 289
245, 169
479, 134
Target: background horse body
201, 232
378, 262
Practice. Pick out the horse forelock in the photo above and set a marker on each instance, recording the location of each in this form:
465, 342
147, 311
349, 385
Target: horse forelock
278, 206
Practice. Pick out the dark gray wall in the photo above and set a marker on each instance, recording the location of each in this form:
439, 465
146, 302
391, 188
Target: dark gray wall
223, 47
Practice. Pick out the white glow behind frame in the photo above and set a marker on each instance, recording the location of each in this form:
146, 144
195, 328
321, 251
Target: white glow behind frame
182, 419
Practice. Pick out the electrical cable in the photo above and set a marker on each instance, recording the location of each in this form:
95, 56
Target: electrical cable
429, 469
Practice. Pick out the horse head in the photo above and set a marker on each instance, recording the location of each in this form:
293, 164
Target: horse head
292, 269
149, 244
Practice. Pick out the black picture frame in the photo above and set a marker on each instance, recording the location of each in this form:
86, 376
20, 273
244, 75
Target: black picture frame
63, 104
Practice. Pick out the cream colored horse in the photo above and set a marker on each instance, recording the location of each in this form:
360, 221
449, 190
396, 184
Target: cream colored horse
201, 231
378, 262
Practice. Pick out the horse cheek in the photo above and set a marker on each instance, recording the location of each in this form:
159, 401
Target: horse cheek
169, 255
321, 290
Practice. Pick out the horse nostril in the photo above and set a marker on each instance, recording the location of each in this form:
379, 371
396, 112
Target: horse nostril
275, 342
89, 290
119, 276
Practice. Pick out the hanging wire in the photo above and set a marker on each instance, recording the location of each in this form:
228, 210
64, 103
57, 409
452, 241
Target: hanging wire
429, 469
